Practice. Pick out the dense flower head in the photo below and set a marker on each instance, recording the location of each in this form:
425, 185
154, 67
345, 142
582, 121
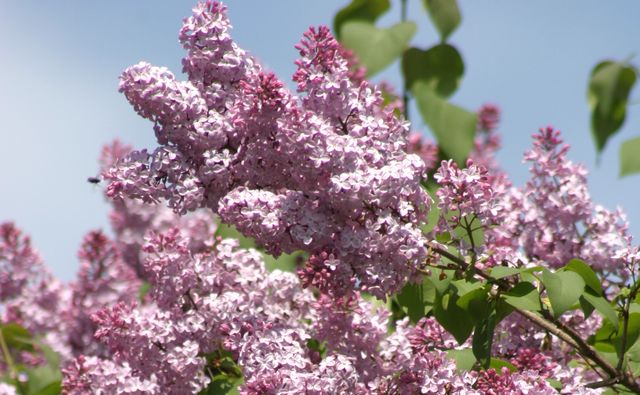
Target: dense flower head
169, 307
552, 218
488, 117
467, 193
426, 149
19, 263
325, 172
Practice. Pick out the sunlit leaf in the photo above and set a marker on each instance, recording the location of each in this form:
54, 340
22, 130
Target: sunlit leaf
563, 288
360, 10
630, 157
453, 126
590, 278
445, 15
523, 296
376, 48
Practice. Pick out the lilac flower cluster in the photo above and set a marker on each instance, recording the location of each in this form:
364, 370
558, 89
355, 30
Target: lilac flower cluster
552, 218
204, 301
167, 307
325, 172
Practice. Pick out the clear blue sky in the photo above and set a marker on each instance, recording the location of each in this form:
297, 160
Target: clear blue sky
60, 61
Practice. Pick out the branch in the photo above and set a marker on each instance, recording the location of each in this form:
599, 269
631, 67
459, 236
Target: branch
561, 331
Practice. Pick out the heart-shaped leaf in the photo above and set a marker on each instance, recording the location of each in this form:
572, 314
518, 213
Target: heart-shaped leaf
376, 48
453, 126
588, 275
452, 318
608, 93
360, 10
523, 296
630, 157
483, 339
603, 307
415, 297
440, 67
563, 288
445, 15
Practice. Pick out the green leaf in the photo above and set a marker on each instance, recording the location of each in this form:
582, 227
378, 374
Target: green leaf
603, 307
556, 384
145, 287
608, 94
453, 126
588, 275
415, 297
441, 279
464, 359
473, 298
464, 286
440, 67
17, 337
498, 364
376, 48
523, 296
44, 380
587, 308
222, 385
563, 288
360, 10
483, 340
630, 157
445, 15
499, 272
453, 318
633, 333
53, 388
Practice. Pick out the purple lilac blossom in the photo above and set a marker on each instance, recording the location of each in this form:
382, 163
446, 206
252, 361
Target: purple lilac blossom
324, 172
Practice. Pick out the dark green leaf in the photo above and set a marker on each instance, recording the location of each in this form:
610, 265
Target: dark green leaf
603, 307
17, 337
563, 288
473, 298
523, 296
445, 15
376, 48
608, 94
630, 157
453, 126
453, 318
483, 340
360, 10
415, 297
440, 67
633, 333
587, 308
587, 274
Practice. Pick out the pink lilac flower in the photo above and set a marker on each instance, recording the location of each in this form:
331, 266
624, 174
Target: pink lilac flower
325, 172
426, 149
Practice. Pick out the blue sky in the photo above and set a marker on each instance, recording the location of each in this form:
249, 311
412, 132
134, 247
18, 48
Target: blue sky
61, 61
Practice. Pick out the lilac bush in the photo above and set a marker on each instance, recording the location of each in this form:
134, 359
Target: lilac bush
416, 277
